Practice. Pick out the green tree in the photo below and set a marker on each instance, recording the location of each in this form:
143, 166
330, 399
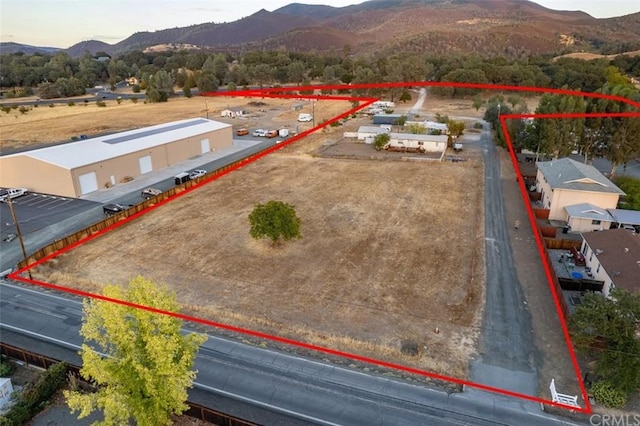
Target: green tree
616, 137
160, 87
380, 140
606, 329
456, 128
147, 364
631, 187
401, 121
206, 82
405, 96
478, 102
559, 137
275, 220
416, 128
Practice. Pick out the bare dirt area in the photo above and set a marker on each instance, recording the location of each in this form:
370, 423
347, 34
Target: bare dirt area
391, 251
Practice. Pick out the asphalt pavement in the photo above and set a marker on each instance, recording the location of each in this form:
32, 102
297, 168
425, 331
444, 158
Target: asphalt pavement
506, 345
277, 383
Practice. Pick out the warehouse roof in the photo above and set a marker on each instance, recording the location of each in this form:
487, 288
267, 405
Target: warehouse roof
76, 154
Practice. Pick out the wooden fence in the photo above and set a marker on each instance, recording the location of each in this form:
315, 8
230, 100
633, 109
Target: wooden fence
195, 411
559, 244
541, 213
117, 217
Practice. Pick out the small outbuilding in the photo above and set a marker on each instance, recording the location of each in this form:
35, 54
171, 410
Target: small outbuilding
232, 113
78, 168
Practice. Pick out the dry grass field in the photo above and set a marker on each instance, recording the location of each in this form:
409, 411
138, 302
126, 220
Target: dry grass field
391, 250
45, 125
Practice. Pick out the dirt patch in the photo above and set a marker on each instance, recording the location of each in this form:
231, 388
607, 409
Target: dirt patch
392, 252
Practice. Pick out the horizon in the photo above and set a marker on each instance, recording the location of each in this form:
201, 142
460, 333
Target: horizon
112, 21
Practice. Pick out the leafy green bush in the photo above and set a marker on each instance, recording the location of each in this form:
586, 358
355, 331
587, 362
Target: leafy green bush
23, 109
101, 103
135, 88
134, 100
34, 399
71, 103
5, 109
5, 368
608, 395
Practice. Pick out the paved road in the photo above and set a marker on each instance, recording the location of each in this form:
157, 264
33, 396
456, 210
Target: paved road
506, 345
298, 388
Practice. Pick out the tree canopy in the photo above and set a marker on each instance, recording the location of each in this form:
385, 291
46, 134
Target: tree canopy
606, 329
275, 220
139, 360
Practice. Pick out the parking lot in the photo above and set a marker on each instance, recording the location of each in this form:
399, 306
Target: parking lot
35, 211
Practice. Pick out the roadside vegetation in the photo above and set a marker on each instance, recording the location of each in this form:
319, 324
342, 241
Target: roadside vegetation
605, 331
148, 365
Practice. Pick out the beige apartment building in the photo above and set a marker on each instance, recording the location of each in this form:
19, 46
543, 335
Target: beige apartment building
566, 182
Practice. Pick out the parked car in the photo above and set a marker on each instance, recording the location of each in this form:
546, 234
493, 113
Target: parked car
110, 209
150, 193
272, 133
11, 193
10, 237
197, 173
258, 133
457, 146
242, 132
181, 178
305, 117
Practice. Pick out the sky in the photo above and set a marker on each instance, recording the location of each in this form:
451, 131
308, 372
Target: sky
62, 23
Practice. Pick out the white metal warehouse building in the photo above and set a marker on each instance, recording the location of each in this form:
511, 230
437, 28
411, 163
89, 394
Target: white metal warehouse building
78, 168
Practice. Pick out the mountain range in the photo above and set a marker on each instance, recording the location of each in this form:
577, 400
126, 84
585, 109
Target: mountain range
486, 27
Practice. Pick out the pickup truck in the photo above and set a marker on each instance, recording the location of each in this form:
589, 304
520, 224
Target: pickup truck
457, 146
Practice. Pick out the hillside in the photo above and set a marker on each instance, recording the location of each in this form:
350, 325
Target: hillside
486, 27
11, 47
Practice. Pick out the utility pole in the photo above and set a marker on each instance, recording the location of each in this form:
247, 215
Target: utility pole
15, 221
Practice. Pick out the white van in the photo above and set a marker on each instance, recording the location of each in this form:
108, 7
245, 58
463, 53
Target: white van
305, 117
11, 193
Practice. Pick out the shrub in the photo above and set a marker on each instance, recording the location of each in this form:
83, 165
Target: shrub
135, 88
51, 105
6, 109
71, 103
134, 100
101, 103
5, 368
34, 399
608, 395
23, 109
119, 100
14, 106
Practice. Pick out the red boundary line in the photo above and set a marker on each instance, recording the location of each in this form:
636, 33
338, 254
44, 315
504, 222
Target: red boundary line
363, 103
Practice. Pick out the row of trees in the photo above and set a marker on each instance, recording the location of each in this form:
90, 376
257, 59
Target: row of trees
614, 138
284, 67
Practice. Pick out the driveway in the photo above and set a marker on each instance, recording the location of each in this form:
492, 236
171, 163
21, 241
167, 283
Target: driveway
506, 348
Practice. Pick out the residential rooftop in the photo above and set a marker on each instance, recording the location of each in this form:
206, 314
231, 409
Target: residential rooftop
618, 251
566, 173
